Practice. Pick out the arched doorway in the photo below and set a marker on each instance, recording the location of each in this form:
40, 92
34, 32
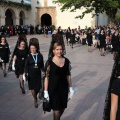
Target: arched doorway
22, 17
9, 17
46, 19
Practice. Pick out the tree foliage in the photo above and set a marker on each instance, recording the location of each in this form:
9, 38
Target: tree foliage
117, 18
110, 7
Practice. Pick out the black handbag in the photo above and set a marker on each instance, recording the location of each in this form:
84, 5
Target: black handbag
46, 106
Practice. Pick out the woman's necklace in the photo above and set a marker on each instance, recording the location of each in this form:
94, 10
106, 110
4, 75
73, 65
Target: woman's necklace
58, 60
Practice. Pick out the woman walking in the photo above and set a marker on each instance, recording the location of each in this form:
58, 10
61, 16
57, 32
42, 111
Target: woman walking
46, 31
21, 37
102, 38
4, 54
68, 32
18, 63
115, 43
89, 40
34, 65
72, 38
57, 82
112, 101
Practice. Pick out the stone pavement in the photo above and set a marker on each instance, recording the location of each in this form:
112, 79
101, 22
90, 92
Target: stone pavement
90, 76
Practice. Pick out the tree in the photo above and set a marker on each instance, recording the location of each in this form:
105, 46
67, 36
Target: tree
117, 18
110, 7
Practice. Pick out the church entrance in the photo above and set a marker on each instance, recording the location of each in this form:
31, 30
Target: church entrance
46, 19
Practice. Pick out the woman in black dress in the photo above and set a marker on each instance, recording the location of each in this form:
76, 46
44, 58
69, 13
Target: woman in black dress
72, 38
2, 30
34, 65
89, 40
68, 33
102, 40
57, 82
46, 31
115, 43
8, 31
18, 63
112, 102
21, 37
4, 54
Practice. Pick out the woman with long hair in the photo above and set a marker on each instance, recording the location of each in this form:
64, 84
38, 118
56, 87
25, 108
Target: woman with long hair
57, 81
34, 65
4, 54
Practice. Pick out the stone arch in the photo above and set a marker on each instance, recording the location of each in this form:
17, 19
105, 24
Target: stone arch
46, 19
22, 17
10, 16
47, 10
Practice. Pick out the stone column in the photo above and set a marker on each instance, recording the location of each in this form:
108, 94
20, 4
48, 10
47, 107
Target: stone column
25, 21
2, 20
16, 20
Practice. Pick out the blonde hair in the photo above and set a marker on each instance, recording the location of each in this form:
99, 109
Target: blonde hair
56, 45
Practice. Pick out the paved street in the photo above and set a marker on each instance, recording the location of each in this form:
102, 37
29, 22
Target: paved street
90, 76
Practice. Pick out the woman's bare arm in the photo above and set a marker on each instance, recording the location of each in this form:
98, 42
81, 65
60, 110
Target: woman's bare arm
114, 106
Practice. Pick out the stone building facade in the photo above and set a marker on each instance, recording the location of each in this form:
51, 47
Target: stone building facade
44, 12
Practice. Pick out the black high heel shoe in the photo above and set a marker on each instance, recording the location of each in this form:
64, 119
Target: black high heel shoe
5, 74
35, 104
23, 91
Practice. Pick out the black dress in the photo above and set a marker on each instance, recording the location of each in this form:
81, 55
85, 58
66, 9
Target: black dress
20, 62
72, 38
4, 52
46, 31
102, 38
58, 84
115, 43
34, 73
68, 35
89, 39
115, 89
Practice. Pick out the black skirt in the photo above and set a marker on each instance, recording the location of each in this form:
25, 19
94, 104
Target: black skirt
34, 83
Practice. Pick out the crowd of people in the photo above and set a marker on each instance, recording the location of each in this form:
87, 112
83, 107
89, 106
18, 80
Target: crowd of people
25, 29
28, 64
102, 37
